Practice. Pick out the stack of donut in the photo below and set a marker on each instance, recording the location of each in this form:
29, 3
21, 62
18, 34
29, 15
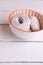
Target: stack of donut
24, 22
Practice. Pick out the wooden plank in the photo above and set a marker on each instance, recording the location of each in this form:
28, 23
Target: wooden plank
4, 17
20, 64
8, 5
21, 52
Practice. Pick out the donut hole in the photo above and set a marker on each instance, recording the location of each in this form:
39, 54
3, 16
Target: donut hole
20, 20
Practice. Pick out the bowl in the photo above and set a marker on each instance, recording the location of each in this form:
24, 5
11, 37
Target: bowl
23, 34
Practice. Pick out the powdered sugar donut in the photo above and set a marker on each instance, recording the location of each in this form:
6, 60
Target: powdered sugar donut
35, 26
21, 21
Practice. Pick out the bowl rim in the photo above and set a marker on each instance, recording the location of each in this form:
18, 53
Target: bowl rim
10, 22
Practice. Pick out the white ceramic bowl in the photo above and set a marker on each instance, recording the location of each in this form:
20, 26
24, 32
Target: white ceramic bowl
23, 33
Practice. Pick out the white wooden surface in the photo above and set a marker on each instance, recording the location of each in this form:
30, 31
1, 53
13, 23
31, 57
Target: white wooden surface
19, 53
16, 4
20, 64
8, 5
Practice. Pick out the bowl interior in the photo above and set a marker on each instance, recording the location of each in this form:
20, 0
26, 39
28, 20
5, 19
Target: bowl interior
29, 13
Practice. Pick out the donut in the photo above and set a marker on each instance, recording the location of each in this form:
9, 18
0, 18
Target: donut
21, 21
35, 26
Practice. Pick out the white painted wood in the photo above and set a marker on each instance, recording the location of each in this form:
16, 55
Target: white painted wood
8, 5
18, 51
4, 17
20, 64
21, 51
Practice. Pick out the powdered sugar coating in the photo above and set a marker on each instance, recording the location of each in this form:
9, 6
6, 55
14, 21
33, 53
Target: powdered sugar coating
34, 23
21, 21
